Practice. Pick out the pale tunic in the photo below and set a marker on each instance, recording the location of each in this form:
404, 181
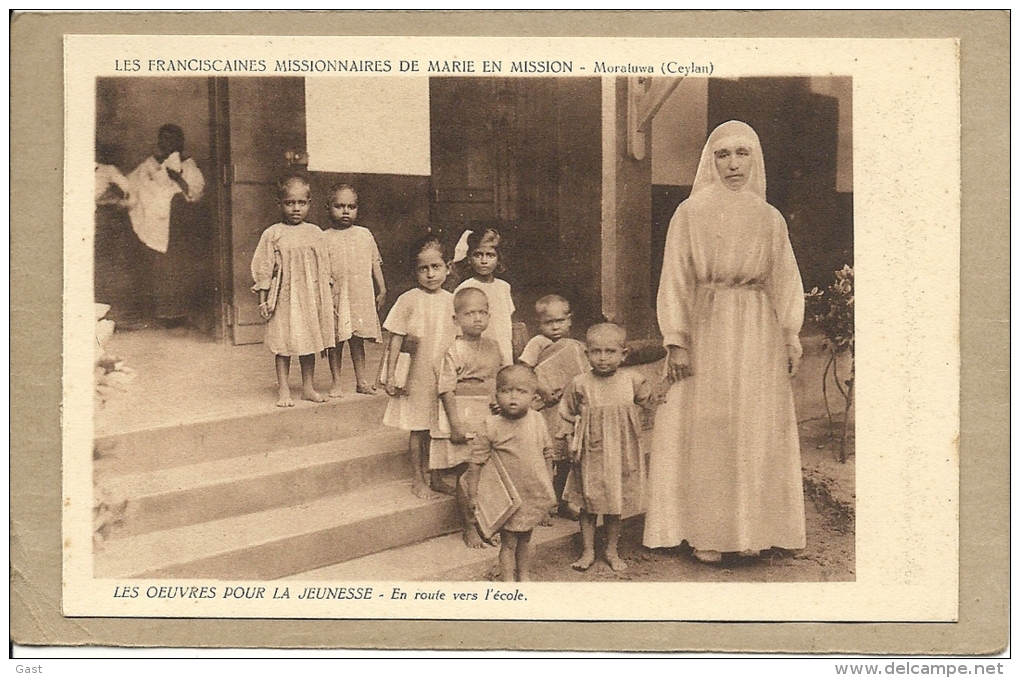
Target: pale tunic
108, 176
522, 445
427, 318
152, 192
540, 349
468, 371
501, 310
303, 321
353, 253
725, 471
608, 476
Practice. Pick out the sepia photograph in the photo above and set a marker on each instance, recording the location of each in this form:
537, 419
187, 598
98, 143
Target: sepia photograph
697, 231
496, 329
619, 332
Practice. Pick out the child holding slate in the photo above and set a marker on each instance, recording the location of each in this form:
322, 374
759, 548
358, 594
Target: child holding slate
516, 443
422, 317
292, 278
557, 359
467, 385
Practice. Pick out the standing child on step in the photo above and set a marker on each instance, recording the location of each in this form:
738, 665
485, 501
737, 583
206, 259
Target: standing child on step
467, 389
421, 320
607, 477
483, 262
557, 359
518, 437
301, 321
356, 264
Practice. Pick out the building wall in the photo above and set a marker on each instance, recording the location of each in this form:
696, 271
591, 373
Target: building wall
267, 119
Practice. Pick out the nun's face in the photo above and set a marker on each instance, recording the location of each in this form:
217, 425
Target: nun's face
733, 162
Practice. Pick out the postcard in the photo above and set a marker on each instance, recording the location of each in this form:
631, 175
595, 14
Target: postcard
700, 215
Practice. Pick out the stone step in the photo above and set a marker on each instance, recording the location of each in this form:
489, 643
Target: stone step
283, 541
161, 499
237, 436
444, 558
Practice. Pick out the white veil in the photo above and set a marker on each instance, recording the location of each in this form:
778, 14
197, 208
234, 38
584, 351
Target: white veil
707, 175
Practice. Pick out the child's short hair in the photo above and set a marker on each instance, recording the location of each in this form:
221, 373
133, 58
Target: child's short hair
336, 188
548, 301
612, 329
429, 241
482, 236
516, 371
290, 180
463, 294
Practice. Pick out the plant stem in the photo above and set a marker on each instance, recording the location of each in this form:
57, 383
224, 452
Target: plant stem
825, 392
846, 415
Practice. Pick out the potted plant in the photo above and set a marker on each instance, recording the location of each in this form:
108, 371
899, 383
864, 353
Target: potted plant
833, 311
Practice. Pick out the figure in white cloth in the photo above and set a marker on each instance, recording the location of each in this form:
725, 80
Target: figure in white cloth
156, 182
725, 471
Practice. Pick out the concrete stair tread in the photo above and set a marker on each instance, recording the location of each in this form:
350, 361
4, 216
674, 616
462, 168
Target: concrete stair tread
154, 551
443, 558
237, 435
231, 469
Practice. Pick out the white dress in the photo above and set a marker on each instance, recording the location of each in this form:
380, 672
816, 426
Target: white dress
501, 310
725, 471
153, 191
426, 320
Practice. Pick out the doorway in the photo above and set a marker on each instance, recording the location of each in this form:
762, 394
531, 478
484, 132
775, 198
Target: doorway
145, 286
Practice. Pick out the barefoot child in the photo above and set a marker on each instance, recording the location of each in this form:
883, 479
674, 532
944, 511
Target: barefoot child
518, 436
467, 387
607, 477
301, 323
422, 317
557, 359
483, 260
354, 258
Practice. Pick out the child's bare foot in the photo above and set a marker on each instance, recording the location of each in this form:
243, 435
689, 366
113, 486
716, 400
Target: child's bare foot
313, 395
424, 492
616, 562
283, 399
584, 562
366, 389
334, 392
472, 539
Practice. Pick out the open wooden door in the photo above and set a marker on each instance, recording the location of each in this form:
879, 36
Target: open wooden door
266, 119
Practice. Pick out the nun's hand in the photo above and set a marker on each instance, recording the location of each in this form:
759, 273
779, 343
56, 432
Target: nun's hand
678, 364
793, 354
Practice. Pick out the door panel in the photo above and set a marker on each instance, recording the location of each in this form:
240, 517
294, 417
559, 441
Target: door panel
267, 119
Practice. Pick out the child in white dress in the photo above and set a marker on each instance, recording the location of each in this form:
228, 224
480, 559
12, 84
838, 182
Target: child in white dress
359, 289
607, 477
301, 323
421, 319
483, 260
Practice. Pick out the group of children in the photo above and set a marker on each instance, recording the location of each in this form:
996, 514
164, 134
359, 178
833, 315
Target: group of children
318, 289
562, 422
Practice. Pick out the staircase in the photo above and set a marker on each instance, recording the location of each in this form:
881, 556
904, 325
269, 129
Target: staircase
261, 496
